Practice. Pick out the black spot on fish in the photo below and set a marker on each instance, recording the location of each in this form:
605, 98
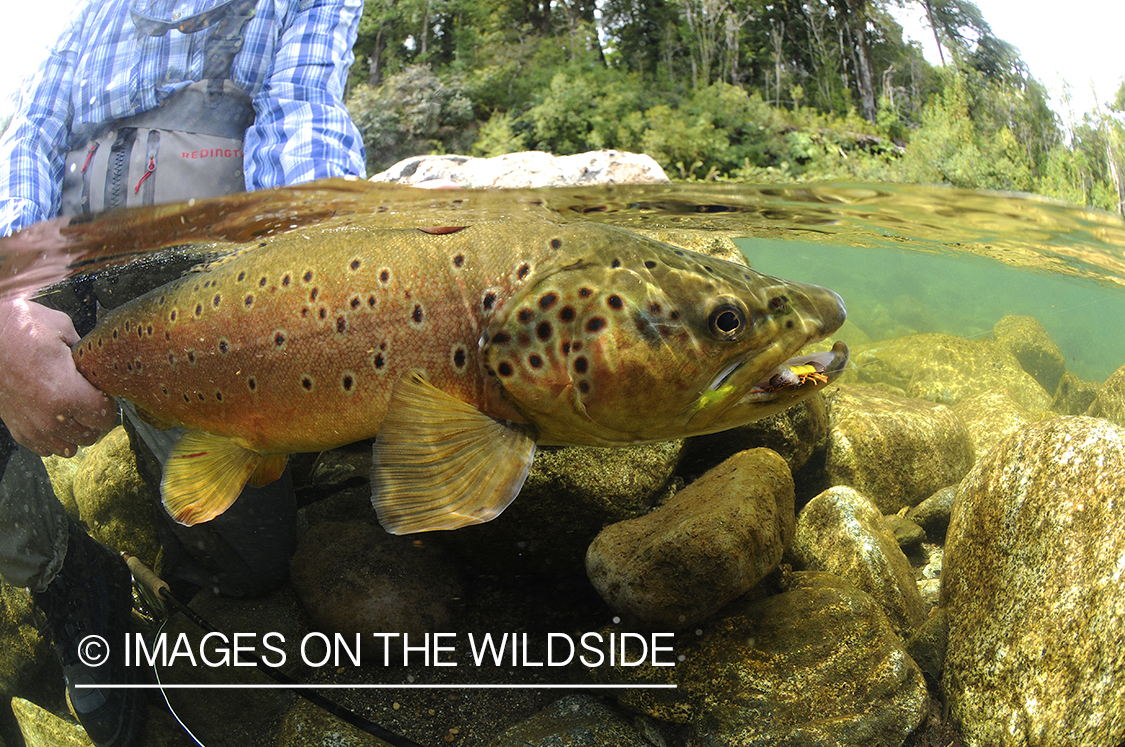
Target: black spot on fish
566, 314
313, 294
488, 301
279, 339
524, 316
596, 324
384, 276
341, 325
248, 301
285, 281
354, 303
241, 276
459, 357
543, 331
615, 264
547, 300
615, 302
307, 383
581, 364
308, 276
355, 266
502, 338
348, 382
379, 361
585, 293
505, 369
535, 360
458, 260
523, 271
556, 243
650, 264
417, 315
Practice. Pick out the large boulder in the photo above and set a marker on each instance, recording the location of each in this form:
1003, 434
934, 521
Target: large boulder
894, 450
710, 543
1033, 589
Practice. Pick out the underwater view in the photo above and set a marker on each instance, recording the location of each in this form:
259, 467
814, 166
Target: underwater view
645, 465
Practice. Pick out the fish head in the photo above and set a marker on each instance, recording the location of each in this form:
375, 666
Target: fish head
627, 340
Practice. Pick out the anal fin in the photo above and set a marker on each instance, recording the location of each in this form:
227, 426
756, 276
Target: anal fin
204, 475
440, 463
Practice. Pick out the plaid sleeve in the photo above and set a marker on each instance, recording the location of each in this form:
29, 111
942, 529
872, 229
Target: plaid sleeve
302, 130
33, 148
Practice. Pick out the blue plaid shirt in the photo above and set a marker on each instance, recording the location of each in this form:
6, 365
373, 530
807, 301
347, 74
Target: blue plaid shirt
293, 63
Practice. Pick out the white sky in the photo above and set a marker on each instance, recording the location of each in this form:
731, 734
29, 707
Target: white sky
1078, 41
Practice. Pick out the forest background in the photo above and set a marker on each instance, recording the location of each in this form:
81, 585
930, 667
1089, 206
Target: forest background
742, 90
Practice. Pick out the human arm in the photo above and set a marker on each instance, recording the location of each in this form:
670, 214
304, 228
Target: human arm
302, 130
47, 405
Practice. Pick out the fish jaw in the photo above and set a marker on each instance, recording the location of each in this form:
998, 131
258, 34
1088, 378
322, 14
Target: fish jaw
637, 341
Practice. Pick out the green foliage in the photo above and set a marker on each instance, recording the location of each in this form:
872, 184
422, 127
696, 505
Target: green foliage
413, 112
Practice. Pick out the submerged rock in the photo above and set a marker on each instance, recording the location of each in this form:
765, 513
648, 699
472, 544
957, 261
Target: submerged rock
713, 541
818, 664
573, 721
570, 495
1110, 402
529, 170
354, 578
1027, 339
1073, 396
933, 513
1033, 589
842, 532
113, 500
894, 451
990, 417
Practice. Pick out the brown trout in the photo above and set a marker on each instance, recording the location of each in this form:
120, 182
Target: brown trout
460, 351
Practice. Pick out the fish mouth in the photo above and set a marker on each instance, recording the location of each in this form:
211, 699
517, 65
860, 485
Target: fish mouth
802, 372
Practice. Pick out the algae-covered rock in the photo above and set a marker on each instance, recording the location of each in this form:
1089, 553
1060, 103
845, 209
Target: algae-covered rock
1110, 402
574, 721
795, 433
307, 725
989, 417
1027, 339
895, 451
41, 728
933, 513
113, 499
353, 577
1073, 396
1033, 591
569, 495
818, 664
842, 532
710, 543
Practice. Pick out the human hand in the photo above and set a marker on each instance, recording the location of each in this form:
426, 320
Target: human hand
47, 405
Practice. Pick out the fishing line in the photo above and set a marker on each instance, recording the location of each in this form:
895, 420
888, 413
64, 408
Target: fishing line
149, 580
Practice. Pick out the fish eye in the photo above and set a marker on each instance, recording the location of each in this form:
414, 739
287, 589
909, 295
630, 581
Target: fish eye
727, 321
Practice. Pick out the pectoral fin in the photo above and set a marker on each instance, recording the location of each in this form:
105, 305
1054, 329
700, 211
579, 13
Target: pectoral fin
440, 463
204, 475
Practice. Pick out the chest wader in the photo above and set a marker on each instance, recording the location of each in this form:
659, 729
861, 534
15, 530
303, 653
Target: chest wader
188, 147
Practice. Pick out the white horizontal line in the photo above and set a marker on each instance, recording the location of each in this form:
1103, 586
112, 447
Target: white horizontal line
338, 686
